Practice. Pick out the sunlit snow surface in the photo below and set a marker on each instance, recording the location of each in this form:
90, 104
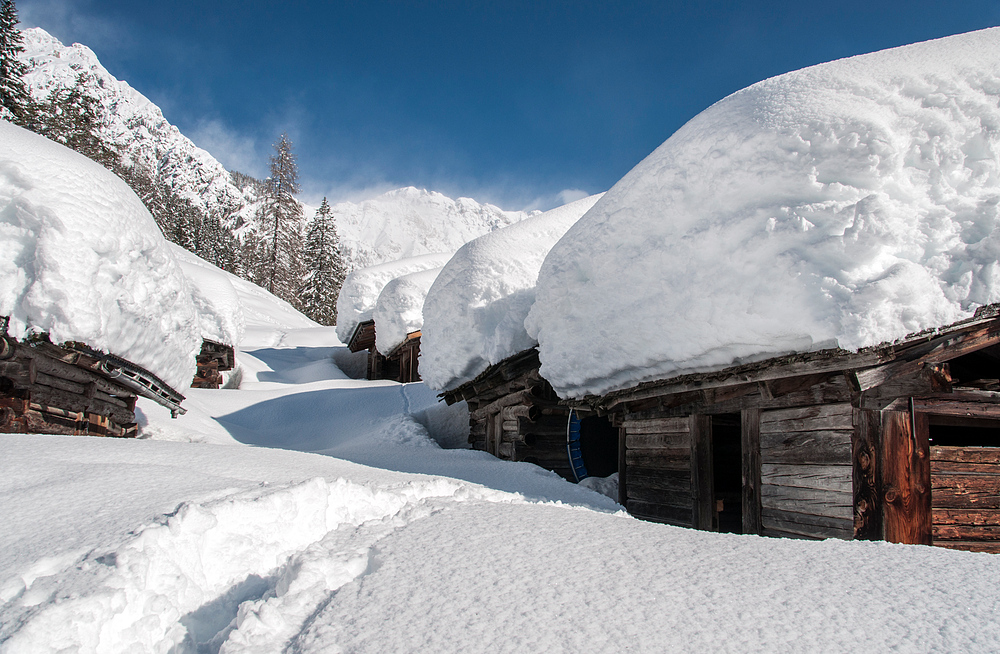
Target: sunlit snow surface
82, 259
845, 204
474, 312
399, 309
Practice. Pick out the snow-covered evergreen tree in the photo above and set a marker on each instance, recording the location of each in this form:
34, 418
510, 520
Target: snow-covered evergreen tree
281, 225
324, 268
15, 103
70, 116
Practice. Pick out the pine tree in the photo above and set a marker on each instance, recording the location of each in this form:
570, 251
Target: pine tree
15, 103
325, 269
281, 225
70, 116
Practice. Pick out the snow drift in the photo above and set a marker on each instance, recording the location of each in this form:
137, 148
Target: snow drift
845, 204
361, 289
82, 259
399, 308
474, 312
220, 312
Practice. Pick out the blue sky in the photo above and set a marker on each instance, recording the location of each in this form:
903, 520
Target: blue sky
516, 103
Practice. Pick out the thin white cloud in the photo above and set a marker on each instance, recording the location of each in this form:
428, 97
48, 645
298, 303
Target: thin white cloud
234, 150
71, 22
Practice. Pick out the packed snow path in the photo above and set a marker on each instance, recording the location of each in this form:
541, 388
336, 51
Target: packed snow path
212, 546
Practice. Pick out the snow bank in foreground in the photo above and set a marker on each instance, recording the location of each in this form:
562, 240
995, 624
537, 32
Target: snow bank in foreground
220, 312
399, 308
82, 259
845, 204
474, 313
361, 289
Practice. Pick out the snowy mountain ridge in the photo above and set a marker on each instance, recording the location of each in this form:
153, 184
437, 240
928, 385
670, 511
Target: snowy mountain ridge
401, 223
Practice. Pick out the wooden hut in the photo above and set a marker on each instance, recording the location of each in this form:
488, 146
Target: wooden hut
214, 359
515, 415
401, 364
899, 442
72, 389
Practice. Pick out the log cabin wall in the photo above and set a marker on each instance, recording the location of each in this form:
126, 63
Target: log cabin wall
658, 468
806, 471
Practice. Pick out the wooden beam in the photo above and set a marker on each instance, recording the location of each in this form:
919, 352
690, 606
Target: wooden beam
906, 482
702, 491
622, 469
750, 444
866, 454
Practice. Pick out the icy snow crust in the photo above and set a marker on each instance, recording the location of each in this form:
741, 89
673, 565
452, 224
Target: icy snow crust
358, 295
399, 308
845, 204
474, 313
82, 259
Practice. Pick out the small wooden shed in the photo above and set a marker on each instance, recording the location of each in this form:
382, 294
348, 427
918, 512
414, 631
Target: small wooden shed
899, 442
514, 414
401, 364
72, 389
214, 359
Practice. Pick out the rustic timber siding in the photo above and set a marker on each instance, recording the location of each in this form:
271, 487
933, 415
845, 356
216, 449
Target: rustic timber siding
806, 472
965, 496
658, 469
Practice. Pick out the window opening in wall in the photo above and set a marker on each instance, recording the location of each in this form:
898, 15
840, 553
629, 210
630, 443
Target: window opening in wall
952, 431
727, 466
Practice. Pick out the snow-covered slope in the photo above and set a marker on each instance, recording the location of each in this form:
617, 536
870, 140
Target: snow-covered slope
845, 204
220, 312
362, 287
134, 125
399, 308
82, 259
409, 222
474, 312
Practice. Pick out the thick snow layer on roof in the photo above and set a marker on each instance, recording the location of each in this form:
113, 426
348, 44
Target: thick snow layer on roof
474, 314
845, 204
361, 289
220, 312
82, 259
399, 309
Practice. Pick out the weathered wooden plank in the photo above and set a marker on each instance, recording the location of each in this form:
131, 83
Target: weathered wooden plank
959, 467
866, 455
527, 396
702, 476
965, 491
807, 525
676, 497
52, 397
674, 515
660, 459
816, 447
806, 500
751, 469
992, 547
906, 478
810, 418
966, 532
953, 407
657, 441
981, 455
965, 516
666, 480
657, 425
778, 533
818, 477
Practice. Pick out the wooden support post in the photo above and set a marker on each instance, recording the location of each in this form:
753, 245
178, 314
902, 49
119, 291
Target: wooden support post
622, 469
906, 478
866, 454
750, 445
703, 509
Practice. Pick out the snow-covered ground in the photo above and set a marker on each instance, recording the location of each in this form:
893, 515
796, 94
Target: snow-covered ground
309, 512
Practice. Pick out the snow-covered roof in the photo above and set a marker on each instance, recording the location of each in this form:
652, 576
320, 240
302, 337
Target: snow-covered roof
220, 312
358, 295
82, 259
845, 204
474, 312
399, 309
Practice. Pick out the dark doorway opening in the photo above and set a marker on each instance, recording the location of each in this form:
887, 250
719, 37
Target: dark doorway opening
727, 472
599, 446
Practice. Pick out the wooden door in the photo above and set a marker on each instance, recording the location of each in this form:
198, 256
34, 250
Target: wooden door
906, 477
